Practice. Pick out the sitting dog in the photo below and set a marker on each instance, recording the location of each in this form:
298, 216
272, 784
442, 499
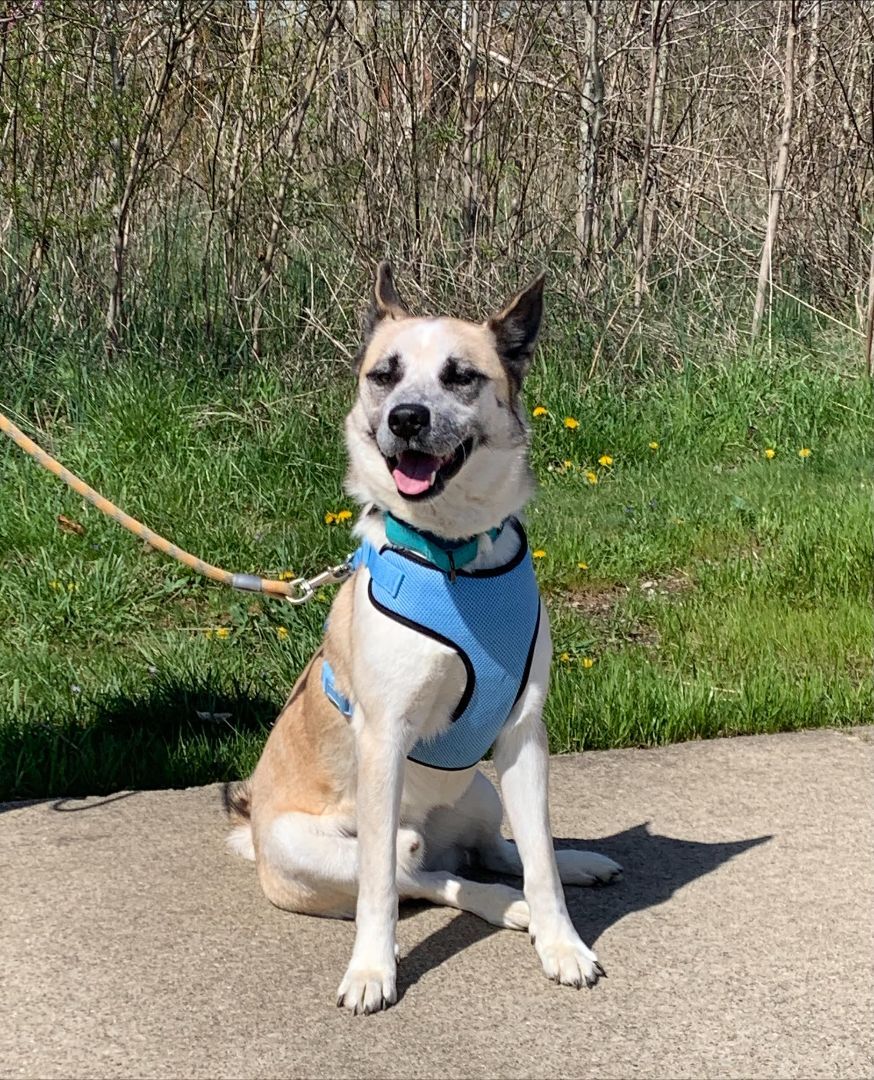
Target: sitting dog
437, 648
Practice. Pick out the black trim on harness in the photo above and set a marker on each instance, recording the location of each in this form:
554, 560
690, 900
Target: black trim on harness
465, 659
526, 671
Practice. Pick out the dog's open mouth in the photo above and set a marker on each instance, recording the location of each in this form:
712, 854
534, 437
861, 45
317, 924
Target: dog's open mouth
421, 476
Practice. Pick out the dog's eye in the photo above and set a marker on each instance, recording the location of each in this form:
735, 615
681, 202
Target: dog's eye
384, 377
387, 374
453, 375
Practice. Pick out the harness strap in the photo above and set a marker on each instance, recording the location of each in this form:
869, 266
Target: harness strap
385, 576
335, 696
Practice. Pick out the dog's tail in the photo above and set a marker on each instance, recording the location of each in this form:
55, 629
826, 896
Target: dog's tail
237, 800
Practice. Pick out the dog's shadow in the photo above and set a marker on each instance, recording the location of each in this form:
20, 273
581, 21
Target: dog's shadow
655, 868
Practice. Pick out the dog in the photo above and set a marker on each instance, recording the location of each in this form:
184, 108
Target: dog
435, 649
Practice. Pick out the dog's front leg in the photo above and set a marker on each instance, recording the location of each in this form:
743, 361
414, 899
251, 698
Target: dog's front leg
370, 980
522, 761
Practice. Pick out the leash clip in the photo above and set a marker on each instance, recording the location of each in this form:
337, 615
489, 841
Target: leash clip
304, 589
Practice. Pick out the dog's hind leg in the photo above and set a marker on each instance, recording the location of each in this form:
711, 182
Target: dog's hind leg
309, 864
574, 867
499, 905
481, 804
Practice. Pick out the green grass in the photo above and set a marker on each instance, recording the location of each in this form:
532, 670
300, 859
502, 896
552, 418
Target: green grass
724, 593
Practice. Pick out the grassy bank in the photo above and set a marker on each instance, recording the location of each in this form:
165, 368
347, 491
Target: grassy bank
697, 586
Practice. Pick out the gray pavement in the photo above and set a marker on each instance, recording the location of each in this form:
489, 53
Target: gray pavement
739, 944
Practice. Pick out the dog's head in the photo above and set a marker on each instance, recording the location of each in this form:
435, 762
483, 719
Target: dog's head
437, 434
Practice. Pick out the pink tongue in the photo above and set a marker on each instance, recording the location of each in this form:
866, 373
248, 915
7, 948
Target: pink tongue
412, 474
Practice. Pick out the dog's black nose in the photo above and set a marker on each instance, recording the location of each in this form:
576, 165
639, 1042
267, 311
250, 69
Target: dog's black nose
406, 421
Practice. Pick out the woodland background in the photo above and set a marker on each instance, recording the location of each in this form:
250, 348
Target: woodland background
224, 173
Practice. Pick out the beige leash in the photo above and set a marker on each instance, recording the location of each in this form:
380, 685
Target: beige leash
295, 592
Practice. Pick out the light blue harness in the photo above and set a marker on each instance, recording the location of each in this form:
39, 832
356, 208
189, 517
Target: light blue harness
489, 617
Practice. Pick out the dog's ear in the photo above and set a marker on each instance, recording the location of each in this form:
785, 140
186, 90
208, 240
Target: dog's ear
385, 303
516, 329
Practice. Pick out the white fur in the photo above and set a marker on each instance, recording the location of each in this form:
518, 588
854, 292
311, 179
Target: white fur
240, 841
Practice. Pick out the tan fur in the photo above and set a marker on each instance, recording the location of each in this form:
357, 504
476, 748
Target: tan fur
307, 763
296, 896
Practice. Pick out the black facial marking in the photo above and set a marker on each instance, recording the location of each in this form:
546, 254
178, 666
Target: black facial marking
387, 373
462, 379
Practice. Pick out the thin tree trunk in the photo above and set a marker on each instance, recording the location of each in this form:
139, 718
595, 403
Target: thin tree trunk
651, 215
233, 189
282, 190
812, 57
590, 128
470, 35
779, 172
654, 97
869, 316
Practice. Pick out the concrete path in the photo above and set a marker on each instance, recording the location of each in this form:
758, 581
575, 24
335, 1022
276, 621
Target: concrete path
739, 944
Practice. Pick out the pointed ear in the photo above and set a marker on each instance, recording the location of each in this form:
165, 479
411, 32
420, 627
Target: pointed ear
385, 303
516, 329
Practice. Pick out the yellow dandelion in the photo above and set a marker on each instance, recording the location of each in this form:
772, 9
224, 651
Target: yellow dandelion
54, 585
587, 662
330, 519
565, 658
571, 423
582, 566
222, 632
539, 411
72, 586
568, 464
804, 452
286, 575
770, 453
344, 515
591, 477
538, 554
605, 460
653, 445
282, 632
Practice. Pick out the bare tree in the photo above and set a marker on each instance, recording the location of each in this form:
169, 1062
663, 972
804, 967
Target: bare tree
779, 180
591, 114
278, 209
249, 159
182, 24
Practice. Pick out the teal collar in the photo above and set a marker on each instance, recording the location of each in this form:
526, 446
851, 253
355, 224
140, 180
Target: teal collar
448, 555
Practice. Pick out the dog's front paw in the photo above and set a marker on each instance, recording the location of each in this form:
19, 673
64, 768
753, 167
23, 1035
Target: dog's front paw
368, 989
566, 960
